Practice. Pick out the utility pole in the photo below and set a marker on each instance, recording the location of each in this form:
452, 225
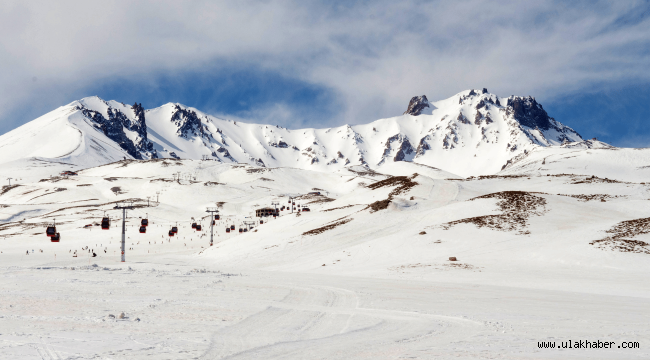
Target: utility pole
157, 194
148, 200
124, 208
9, 181
211, 210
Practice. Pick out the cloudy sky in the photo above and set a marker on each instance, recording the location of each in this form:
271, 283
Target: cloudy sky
322, 64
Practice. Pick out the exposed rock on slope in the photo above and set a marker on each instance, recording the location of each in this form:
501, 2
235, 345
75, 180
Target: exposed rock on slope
417, 105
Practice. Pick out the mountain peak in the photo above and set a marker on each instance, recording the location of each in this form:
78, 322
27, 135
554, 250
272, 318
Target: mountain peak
417, 105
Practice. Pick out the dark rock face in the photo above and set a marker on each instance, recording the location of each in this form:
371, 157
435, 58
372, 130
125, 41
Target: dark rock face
423, 146
405, 149
528, 112
462, 118
222, 150
417, 105
113, 128
188, 123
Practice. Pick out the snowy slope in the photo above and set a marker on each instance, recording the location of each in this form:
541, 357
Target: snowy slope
349, 279
470, 133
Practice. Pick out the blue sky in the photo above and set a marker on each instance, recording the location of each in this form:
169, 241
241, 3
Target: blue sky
321, 64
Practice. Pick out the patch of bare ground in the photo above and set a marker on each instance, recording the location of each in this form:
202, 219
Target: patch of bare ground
211, 183
368, 172
266, 179
626, 229
402, 184
516, 207
330, 226
596, 179
6, 188
117, 190
315, 198
161, 179
85, 185
220, 204
52, 179
487, 177
443, 267
258, 170
592, 197
339, 208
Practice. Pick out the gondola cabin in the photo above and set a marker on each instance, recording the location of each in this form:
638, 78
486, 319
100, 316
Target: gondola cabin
198, 227
216, 217
143, 229
144, 222
106, 223
262, 221
56, 238
174, 230
227, 229
171, 233
245, 230
193, 225
232, 227
213, 222
241, 230
51, 231
305, 209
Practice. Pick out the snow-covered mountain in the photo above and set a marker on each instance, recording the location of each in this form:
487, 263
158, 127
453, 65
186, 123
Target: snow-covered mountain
471, 133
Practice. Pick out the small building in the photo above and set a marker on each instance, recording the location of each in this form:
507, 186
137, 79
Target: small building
267, 211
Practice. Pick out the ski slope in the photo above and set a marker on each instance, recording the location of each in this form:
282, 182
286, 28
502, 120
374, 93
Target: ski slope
364, 274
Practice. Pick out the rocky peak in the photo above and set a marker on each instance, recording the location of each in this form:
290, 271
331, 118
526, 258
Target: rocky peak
417, 105
528, 112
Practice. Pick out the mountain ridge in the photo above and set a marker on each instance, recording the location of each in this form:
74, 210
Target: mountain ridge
473, 132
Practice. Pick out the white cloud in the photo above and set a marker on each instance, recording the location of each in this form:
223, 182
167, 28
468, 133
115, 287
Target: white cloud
374, 56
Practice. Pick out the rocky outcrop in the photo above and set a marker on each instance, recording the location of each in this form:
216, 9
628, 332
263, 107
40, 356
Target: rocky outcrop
113, 127
417, 105
528, 112
405, 149
188, 123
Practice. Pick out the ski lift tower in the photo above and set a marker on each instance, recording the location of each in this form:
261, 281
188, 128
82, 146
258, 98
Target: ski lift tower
249, 223
212, 211
124, 208
275, 205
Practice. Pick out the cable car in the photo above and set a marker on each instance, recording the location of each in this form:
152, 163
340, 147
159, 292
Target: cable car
245, 230
174, 230
232, 227
193, 225
144, 222
293, 203
56, 238
227, 229
305, 209
261, 222
241, 230
198, 227
106, 223
143, 229
274, 216
216, 217
289, 201
171, 233
213, 222
51, 231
